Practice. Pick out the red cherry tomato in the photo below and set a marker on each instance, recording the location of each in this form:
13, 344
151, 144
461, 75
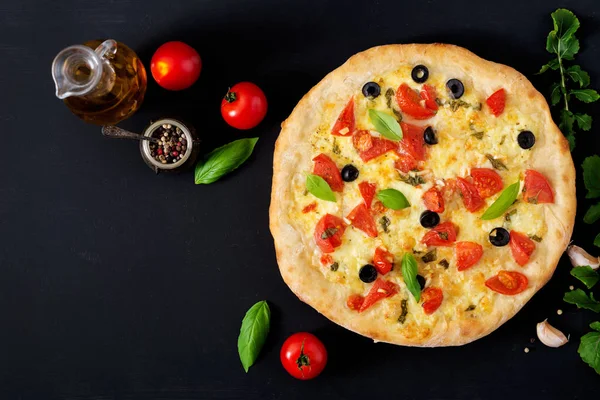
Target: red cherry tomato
405, 163
412, 142
508, 282
433, 199
303, 355
409, 102
442, 235
487, 181
370, 147
345, 124
244, 105
383, 260
470, 195
432, 299
175, 66
429, 94
329, 232
326, 169
496, 102
367, 191
362, 219
467, 254
381, 289
355, 302
521, 247
536, 188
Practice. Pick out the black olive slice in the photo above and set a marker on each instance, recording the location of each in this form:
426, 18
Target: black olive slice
420, 73
456, 88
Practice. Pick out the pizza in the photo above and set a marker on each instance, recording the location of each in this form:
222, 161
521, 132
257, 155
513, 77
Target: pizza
421, 195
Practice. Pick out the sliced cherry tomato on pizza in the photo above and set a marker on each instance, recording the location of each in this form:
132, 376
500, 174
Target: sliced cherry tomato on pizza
409, 102
380, 290
508, 282
434, 200
470, 195
442, 235
536, 188
496, 102
355, 302
362, 219
378, 207
370, 147
432, 299
326, 169
383, 260
328, 233
326, 259
521, 247
412, 142
406, 163
467, 254
367, 191
429, 94
487, 181
345, 124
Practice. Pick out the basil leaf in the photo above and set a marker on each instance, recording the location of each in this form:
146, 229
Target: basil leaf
586, 275
589, 347
591, 176
385, 124
592, 215
254, 331
319, 188
392, 198
582, 300
409, 273
503, 202
223, 160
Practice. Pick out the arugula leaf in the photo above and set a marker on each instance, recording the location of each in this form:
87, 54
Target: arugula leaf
385, 124
552, 64
566, 121
592, 215
319, 188
571, 139
223, 160
409, 273
567, 47
253, 333
597, 240
565, 22
589, 347
555, 93
586, 95
503, 202
591, 176
582, 300
392, 198
586, 275
578, 75
584, 121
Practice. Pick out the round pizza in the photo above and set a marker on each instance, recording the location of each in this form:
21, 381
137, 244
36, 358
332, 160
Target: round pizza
421, 195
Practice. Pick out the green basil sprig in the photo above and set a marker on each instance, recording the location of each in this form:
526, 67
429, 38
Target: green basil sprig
409, 273
319, 188
392, 198
254, 331
223, 160
502, 203
385, 124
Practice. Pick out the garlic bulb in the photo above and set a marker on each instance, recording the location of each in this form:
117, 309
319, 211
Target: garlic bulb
580, 257
549, 335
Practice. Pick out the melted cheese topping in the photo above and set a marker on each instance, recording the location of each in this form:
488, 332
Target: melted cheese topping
466, 133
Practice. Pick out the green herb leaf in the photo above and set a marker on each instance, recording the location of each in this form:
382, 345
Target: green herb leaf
254, 331
586, 275
592, 215
555, 93
552, 64
582, 300
409, 273
392, 198
565, 22
597, 240
385, 124
430, 256
497, 164
584, 121
503, 202
319, 188
223, 160
567, 47
413, 180
589, 347
578, 75
591, 176
571, 139
403, 311
385, 223
586, 95
566, 122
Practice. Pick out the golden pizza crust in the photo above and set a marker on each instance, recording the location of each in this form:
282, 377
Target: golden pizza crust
293, 153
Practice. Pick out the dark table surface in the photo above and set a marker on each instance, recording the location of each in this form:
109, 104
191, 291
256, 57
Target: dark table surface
116, 283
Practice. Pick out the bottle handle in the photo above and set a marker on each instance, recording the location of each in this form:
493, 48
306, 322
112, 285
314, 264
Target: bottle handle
106, 49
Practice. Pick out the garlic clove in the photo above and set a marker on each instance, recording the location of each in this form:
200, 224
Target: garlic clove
549, 335
579, 257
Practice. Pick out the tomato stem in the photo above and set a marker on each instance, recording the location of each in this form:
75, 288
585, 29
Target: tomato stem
230, 97
302, 360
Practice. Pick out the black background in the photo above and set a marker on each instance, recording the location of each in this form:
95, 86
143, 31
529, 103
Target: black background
116, 283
